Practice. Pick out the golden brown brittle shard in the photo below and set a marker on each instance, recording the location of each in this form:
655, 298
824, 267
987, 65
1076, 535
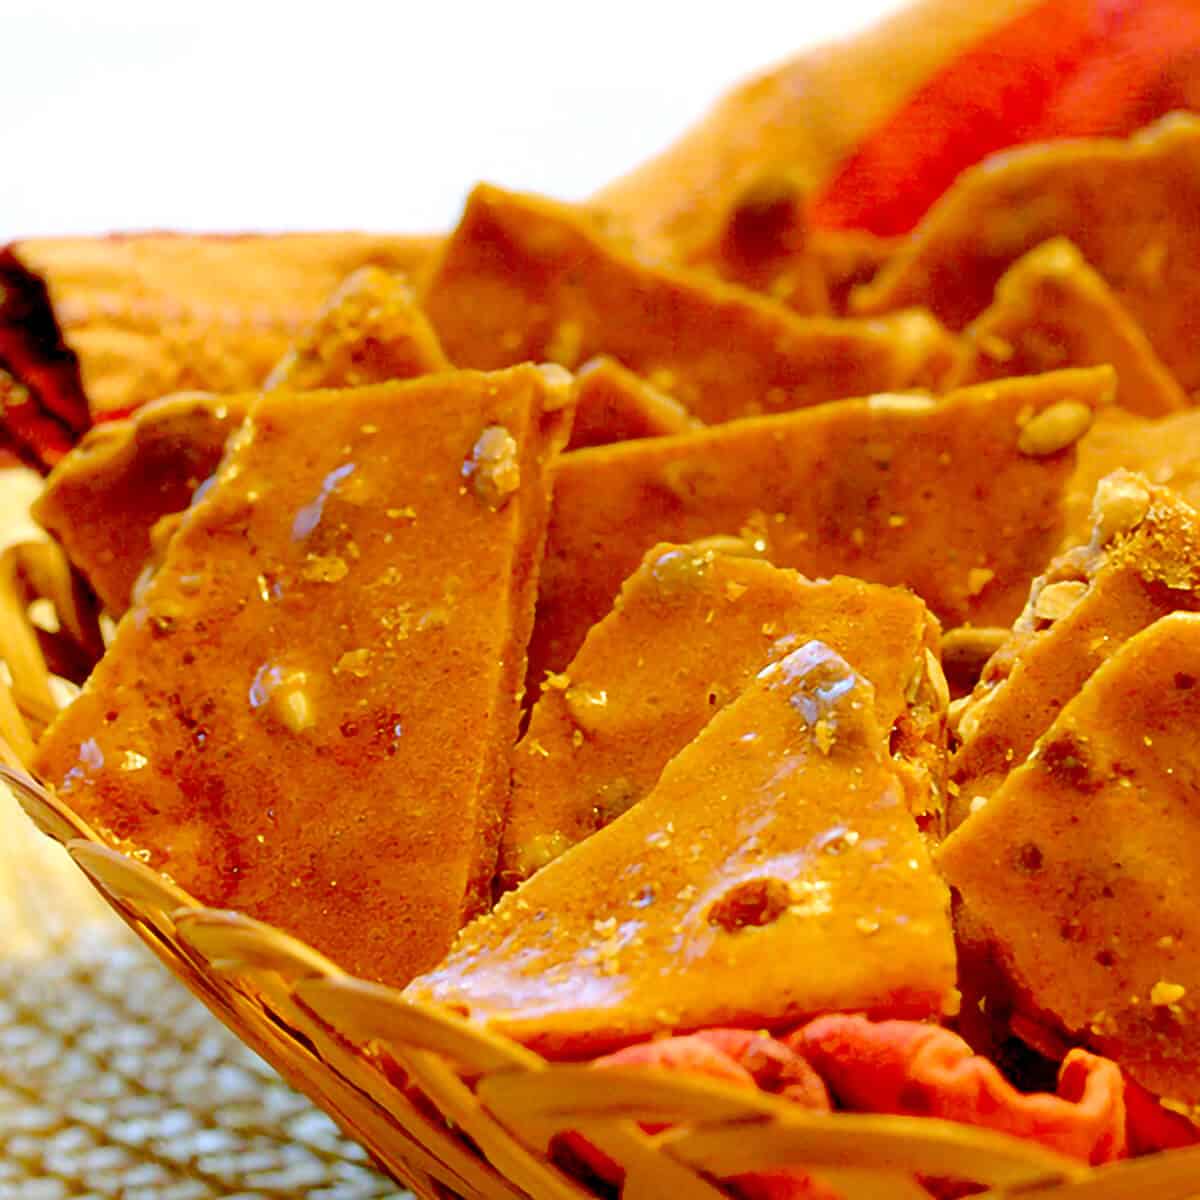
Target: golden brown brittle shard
1128, 205
774, 872
1052, 310
369, 331
271, 723
107, 496
689, 630
527, 279
613, 405
1083, 866
1142, 563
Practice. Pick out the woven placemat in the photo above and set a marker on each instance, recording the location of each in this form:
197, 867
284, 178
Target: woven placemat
115, 1082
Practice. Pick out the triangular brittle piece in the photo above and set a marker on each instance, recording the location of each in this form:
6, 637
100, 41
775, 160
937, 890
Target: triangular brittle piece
690, 629
1052, 310
960, 500
1130, 207
105, 497
1143, 562
271, 723
613, 404
525, 279
774, 872
107, 494
369, 331
1084, 867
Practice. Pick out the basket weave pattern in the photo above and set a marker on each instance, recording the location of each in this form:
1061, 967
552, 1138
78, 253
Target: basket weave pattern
452, 1111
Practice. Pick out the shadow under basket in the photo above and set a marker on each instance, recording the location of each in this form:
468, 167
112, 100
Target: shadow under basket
453, 1111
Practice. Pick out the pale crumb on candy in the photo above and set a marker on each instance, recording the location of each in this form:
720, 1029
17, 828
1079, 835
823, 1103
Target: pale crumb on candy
995, 347
1120, 505
585, 705
937, 681
324, 568
559, 384
539, 851
1056, 600
978, 578
295, 708
1166, 995
900, 402
354, 662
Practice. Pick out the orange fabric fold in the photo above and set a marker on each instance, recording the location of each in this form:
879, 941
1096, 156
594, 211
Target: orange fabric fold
910, 1069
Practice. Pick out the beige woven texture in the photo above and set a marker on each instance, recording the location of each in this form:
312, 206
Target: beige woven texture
114, 1082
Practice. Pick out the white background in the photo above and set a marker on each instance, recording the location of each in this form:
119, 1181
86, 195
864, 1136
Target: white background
134, 114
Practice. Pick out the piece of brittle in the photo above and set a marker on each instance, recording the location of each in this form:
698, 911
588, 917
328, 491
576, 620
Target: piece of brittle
773, 872
309, 713
688, 632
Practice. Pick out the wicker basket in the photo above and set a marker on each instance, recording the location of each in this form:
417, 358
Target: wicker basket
450, 1110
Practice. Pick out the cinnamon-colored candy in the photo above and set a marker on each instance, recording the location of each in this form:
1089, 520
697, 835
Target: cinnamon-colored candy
613, 405
1083, 867
774, 872
272, 725
369, 331
1165, 451
960, 500
527, 279
689, 631
107, 494
1128, 205
1052, 310
150, 314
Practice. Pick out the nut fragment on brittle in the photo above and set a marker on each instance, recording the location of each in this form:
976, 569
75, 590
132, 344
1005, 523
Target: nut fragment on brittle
1121, 503
1055, 428
493, 468
1165, 452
